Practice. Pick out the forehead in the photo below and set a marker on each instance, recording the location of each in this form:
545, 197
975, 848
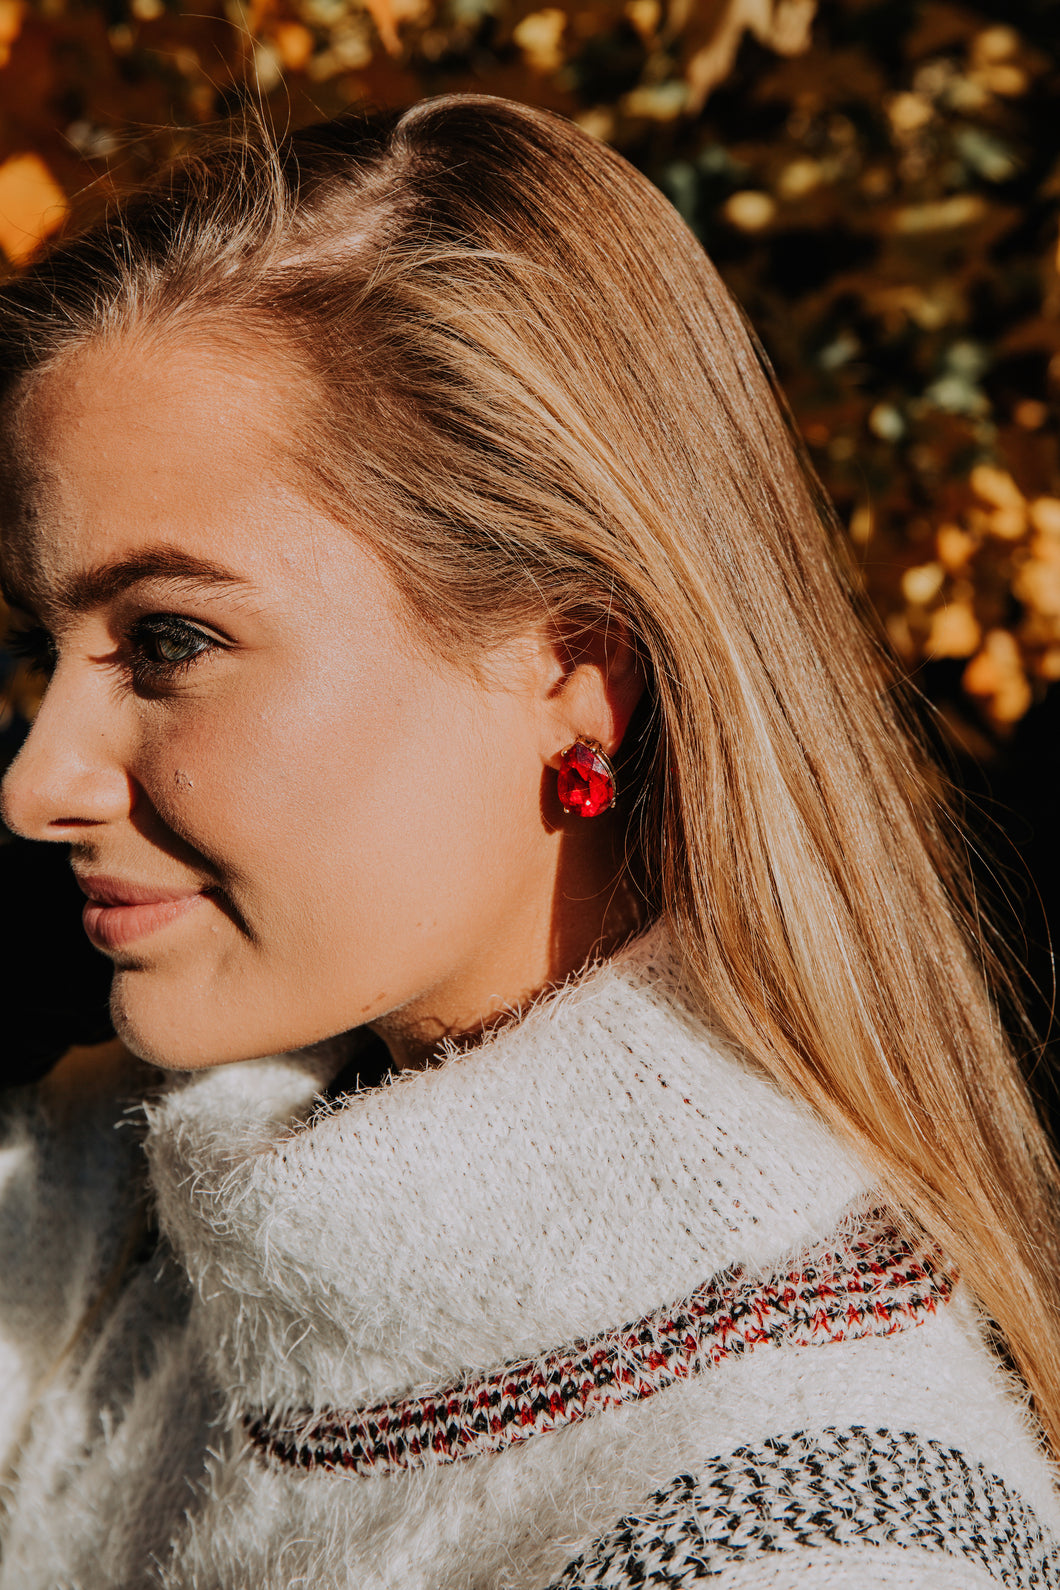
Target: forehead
164, 403
132, 443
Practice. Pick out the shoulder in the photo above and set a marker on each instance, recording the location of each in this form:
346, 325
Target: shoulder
71, 1207
851, 1506
863, 1433
81, 1118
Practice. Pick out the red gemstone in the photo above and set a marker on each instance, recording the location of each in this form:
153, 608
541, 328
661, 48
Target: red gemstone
585, 783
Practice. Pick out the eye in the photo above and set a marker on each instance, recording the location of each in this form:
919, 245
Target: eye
32, 645
163, 644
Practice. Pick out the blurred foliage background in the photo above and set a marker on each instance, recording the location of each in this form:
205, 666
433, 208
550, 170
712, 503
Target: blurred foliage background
878, 181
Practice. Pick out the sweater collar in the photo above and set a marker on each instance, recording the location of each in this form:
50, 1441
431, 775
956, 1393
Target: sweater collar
584, 1167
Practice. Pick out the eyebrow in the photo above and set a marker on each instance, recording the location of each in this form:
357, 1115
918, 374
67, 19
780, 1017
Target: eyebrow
90, 589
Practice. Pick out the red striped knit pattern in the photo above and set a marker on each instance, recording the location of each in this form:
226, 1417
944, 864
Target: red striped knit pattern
874, 1284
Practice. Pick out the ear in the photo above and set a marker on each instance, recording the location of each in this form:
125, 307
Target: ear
596, 682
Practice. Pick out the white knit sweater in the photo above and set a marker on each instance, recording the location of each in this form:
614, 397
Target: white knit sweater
591, 1304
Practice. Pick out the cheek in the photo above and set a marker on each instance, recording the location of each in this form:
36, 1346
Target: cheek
344, 814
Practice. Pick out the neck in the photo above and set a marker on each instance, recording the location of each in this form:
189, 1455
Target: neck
594, 910
593, 1162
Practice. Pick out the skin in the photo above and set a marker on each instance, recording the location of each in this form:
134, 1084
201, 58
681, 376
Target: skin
367, 834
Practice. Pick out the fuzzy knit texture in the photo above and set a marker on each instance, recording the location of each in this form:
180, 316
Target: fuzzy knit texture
589, 1305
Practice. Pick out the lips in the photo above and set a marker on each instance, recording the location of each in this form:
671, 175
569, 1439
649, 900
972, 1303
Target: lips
118, 912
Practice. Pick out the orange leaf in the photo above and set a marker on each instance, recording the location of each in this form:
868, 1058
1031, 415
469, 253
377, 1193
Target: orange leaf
295, 44
32, 204
10, 26
382, 14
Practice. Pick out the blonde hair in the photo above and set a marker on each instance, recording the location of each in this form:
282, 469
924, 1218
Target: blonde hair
524, 379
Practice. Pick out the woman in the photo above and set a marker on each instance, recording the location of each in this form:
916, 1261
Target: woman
445, 651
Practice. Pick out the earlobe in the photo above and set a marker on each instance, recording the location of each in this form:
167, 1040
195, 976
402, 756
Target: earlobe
597, 692
587, 782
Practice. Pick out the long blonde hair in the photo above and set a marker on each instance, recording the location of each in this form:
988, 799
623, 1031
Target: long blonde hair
514, 368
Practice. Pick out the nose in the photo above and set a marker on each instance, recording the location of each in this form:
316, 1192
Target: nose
67, 775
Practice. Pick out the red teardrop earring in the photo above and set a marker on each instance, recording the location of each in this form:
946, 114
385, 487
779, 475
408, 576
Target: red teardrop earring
587, 783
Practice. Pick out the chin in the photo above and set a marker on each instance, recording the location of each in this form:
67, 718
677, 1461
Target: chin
154, 1026
162, 1049
180, 1023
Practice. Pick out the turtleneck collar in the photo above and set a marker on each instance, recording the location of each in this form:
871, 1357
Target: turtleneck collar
594, 1162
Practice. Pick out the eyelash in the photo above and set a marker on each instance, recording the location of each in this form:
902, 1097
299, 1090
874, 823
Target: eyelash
36, 647
32, 646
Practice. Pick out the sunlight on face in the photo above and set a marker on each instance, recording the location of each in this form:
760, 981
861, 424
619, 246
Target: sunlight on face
290, 817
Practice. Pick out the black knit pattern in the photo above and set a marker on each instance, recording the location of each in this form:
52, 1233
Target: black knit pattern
827, 1488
